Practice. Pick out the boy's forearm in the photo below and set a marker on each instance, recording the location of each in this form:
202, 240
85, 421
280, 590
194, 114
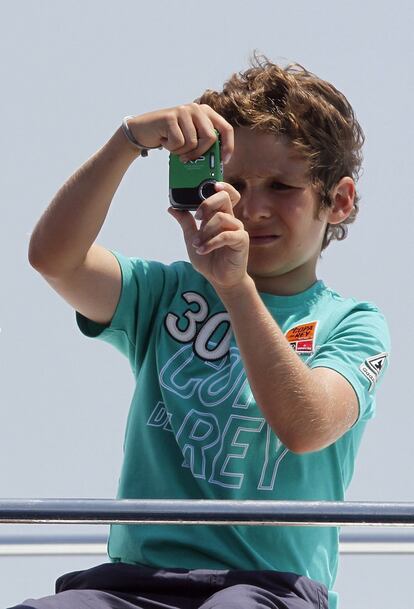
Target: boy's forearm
72, 221
282, 384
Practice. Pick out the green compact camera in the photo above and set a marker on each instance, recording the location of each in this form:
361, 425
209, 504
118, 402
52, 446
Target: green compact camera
192, 182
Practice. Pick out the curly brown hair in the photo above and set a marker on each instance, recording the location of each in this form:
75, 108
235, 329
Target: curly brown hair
311, 113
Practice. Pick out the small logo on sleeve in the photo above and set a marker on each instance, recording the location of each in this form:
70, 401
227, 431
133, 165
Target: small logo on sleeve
372, 367
302, 338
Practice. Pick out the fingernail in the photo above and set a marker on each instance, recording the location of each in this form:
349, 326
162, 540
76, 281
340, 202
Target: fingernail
226, 158
199, 214
196, 241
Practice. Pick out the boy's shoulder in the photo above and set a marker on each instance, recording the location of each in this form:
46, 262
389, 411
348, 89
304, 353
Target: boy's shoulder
351, 302
352, 320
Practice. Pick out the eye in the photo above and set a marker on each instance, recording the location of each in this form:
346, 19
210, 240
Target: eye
280, 186
237, 185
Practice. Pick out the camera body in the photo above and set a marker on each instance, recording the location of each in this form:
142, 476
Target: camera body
192, 182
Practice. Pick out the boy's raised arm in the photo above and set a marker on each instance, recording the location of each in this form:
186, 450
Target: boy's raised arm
62, 247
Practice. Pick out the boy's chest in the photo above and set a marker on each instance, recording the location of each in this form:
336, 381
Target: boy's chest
198, 358
206, 405
195, 320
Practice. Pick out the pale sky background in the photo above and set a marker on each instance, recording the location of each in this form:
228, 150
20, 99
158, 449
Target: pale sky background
69, 72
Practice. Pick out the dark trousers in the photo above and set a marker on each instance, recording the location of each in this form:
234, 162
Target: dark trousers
123, 586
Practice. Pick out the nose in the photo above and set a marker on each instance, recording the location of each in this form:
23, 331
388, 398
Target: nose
254, 205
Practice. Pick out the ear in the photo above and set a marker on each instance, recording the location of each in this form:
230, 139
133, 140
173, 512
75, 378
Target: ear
343, 196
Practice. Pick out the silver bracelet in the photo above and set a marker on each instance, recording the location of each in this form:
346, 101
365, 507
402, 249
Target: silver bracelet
131, 138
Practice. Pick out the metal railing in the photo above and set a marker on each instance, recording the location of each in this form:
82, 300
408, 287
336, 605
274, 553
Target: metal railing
95, 545
196, 512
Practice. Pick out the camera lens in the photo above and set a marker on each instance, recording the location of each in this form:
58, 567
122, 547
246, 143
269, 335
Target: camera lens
207, 189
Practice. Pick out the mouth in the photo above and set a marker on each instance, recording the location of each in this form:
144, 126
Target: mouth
263, 239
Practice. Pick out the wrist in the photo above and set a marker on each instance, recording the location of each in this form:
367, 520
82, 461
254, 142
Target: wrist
130, 136
234, 293
122, 147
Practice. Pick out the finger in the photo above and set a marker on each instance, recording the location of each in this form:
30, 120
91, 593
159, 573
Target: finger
207, 136
198, 131
230, 190
184, 132
220, 222
235, 239
187, 223
206, 130
207, 121
190, 133
175, 138
224, 199
224, 128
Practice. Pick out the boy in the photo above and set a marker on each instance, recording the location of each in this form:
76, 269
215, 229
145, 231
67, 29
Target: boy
254, 380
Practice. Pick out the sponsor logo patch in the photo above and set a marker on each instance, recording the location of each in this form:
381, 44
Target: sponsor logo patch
372, 367
302, 338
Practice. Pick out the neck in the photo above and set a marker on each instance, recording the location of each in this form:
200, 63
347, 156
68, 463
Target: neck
287, 284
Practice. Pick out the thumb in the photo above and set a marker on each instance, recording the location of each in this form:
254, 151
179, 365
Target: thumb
186, 221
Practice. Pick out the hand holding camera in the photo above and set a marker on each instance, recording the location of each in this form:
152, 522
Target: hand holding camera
219, 247
188, 131
198, 138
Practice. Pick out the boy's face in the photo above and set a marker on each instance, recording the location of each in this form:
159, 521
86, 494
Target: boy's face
279, 210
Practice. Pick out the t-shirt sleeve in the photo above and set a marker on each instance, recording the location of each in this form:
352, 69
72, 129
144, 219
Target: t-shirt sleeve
130, 329
358, 348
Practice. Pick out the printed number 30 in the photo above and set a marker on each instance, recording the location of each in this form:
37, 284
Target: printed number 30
203, 337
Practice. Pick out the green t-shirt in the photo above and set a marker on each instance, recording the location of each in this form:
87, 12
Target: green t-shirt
194, 429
